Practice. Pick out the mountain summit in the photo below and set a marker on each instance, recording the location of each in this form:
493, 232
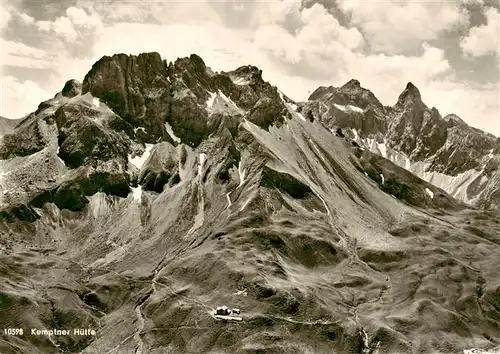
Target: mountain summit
410, 96
353, 83
162, 207
443, 151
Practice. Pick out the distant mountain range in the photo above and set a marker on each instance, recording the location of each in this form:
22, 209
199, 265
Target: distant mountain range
445, 151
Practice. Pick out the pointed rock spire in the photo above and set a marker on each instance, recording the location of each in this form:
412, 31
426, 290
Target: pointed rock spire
410, 94
353, 83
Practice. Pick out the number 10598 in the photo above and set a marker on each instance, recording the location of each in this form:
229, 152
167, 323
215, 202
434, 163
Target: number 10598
13, 331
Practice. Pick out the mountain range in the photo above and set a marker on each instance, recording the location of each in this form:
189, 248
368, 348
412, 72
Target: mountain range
139, 201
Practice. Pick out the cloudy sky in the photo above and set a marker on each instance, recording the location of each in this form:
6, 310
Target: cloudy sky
449, 49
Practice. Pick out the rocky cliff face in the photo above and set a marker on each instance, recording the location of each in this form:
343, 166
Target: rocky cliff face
444, 151
140, 201
349, 106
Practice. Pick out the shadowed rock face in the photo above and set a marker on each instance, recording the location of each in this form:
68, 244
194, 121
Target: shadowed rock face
83, 141
164, 190
284, 183
71, 89
163, 167
415, 129
135, 87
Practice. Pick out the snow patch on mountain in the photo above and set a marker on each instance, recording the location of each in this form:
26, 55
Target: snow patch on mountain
241, 173
373, 145
95, 101
137, 193
171, 133
456, 186
348, 108
211, 100
138, 161
240, 81
356, 135
201, 162
139, 128
429, 192
382, 147
219, 103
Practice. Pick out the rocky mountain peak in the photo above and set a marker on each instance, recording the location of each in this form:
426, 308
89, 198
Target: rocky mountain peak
135, 87
353, 83
193, 64
71, 88
321, 92
411, 94
248, 70
454, 120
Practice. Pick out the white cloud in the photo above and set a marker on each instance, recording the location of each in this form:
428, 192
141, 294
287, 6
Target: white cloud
317, 42
44, 26
398, 26
485, 39
63, 27
5, 15
72, 27
81, 19
159, 12
27, 19
21, 55
19, 98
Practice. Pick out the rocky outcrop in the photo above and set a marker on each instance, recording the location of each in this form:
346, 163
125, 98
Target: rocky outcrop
161, 169
72, 88
136, 88
85, 139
